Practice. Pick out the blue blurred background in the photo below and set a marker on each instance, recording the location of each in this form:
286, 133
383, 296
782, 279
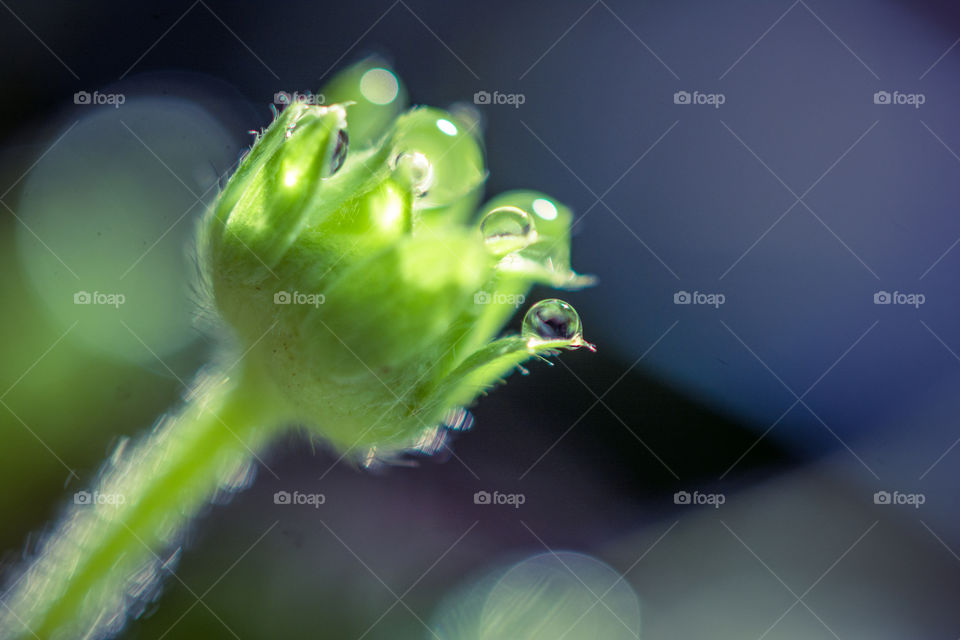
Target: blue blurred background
790, 169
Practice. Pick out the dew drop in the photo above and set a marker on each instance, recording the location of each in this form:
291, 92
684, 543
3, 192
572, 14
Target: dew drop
507, 229
414, 170
339, 151
552, 319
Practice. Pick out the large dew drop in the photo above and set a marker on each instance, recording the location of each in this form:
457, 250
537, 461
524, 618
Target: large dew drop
507, 229
552, 319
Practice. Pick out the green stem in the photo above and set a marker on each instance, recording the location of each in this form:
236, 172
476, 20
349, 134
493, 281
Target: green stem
107, 556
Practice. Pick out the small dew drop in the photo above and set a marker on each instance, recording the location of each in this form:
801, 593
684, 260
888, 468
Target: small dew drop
339, 151
552, 319
507, 229
414, 170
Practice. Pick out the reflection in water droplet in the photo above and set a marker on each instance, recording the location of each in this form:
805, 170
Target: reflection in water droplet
379, 86
414, 170
458, 419
507, 229
545, 209
552, 319
431, 440
447, 127
339, 151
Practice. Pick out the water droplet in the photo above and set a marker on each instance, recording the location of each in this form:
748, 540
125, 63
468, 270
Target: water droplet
552, 319
414, 170
456, 156
339, 151
507, 229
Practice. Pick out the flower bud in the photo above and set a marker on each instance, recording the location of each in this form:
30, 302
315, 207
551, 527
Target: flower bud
356, 281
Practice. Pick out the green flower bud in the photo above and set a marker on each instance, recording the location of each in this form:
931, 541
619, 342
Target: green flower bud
356, 281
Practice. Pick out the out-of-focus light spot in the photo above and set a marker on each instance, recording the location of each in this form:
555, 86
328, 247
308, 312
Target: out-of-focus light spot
548, 596
447, 127
545, 209
290, 178
110, 223
379, 86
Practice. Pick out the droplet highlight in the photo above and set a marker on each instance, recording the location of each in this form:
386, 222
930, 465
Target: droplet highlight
446, 126
545, 209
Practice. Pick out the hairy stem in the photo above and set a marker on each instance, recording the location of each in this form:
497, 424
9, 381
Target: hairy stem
104, 560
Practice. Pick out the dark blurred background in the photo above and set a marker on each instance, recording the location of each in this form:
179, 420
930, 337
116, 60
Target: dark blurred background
788, 168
